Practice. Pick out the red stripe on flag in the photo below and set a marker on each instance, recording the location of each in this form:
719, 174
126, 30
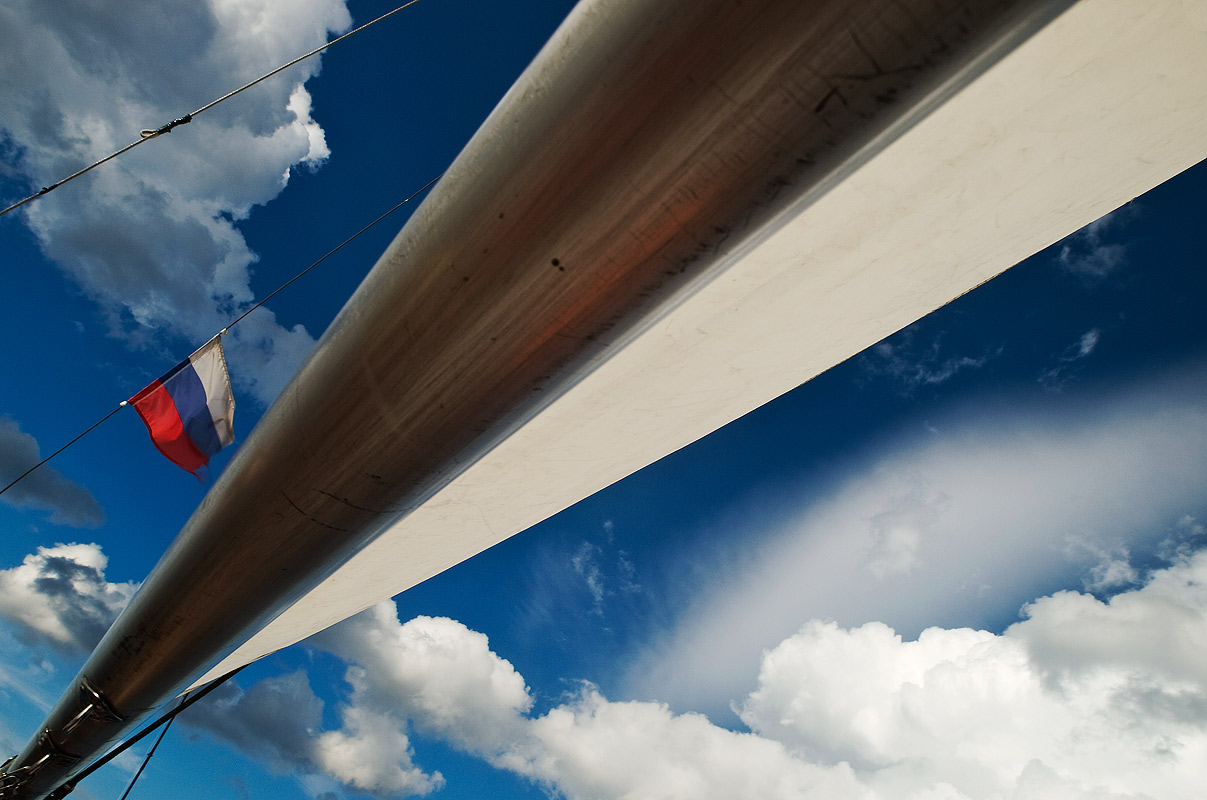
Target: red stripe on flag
158, 412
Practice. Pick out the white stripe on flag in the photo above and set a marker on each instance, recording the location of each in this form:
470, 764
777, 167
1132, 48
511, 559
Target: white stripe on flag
209, 362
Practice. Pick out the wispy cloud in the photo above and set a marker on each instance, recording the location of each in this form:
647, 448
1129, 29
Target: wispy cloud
17, 680
1059, 374
956, 528
897, 532
150, 237
1191, 525
1087, 343
592, 577
586, 567
911, 366
44, 489
1111, 568
1089, 254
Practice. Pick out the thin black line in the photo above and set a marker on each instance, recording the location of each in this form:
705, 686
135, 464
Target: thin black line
136, 738
121, 405
273, 294
315, 51
150, 753
334, 250
147, 135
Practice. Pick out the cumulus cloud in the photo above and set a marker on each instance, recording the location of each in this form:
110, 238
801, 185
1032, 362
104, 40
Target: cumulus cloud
151, 237
433, 674
372, 754
279, 721
593, 748
1112, 569
45, 488
434, 671
1157, 633
1082, 698
59, 597
276, 719
892, 689
444, 679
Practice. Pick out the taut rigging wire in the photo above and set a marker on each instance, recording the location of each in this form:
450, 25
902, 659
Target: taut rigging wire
70, 785
162, 733
151, 133
238, 319
335, 250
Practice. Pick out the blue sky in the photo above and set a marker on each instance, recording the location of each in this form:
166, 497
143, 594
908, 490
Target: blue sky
968, 562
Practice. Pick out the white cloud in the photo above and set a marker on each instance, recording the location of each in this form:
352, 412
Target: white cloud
914, 367
278, 721
1191, 525
1112, 569
1081, 699
45, 488
434, 671
1055, 377
593, 748
150, 235
59, 597
1158, 632
897, 532
1089, 698
1087, 342
1087, 253
585, 566
956, 528
443, 679
1111, 574
372, 754
299, 104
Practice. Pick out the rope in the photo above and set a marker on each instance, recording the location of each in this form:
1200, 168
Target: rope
151, 133
238, 319
66, 788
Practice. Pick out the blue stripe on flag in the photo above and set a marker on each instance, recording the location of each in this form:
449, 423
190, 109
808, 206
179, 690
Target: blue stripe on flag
189, 397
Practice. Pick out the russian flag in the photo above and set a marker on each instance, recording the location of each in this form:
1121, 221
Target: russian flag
190, 411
